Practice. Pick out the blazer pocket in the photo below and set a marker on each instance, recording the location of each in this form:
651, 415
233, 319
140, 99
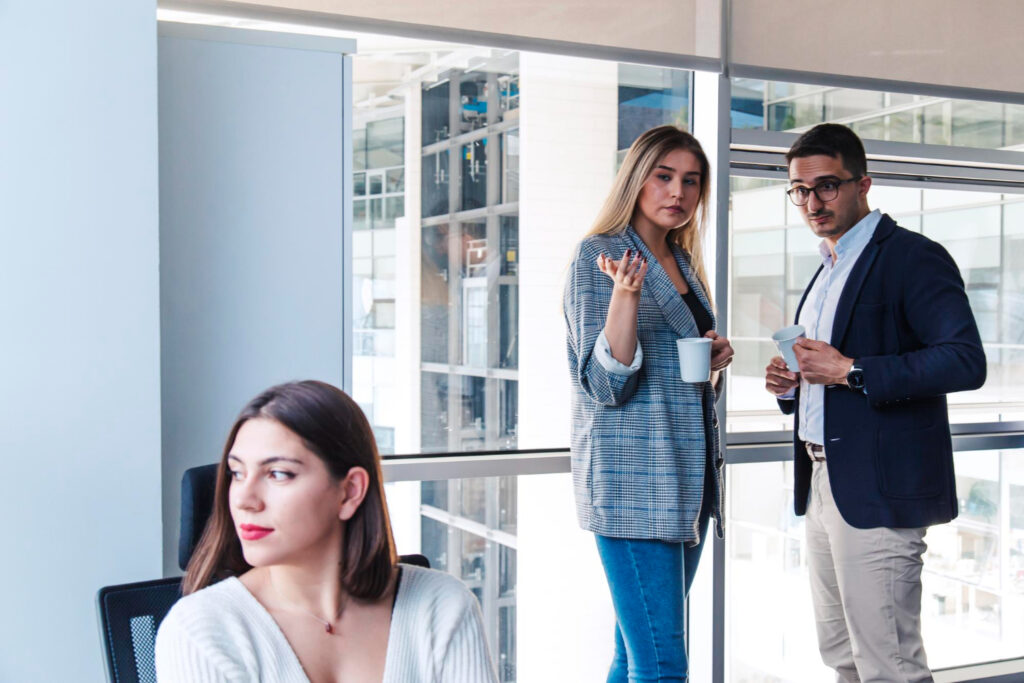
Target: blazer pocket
908, 462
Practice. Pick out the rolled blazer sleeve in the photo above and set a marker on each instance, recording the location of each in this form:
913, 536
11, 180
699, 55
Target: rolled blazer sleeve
950, 357
603, 379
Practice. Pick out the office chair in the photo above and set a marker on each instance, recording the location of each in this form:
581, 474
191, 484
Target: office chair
129, 617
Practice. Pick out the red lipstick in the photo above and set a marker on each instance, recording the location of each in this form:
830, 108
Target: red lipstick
252, 532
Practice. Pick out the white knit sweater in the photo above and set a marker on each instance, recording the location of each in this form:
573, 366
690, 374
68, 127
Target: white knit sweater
222, 633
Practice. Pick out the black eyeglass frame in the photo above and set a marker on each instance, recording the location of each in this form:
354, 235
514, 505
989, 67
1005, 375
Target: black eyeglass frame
838, 183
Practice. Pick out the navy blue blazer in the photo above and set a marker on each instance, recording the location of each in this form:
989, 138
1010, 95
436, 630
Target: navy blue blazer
904, 317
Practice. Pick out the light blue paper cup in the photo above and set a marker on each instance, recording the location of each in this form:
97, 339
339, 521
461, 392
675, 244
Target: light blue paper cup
784, 339
694, 359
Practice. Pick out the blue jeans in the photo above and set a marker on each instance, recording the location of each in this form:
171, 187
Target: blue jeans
649, 581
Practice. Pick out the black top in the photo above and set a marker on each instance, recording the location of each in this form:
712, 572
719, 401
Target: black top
700, 314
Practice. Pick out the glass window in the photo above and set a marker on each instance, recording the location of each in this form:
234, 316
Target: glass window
463, 527
973, 581
435, 294
474, 175
461, 311
435, 184
510, 167
359, 149
877, 115
359, 219
651, 96
772, 263
395, 180
385, 143
435, 112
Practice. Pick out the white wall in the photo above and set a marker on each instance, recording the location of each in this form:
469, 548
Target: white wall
251, 212
569, 117
79, 325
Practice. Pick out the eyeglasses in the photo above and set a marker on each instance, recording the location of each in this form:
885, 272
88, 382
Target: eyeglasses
825, 191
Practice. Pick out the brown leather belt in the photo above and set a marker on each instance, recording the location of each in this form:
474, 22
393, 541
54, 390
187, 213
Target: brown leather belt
815, 451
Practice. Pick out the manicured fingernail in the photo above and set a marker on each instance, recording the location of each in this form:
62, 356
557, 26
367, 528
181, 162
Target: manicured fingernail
628, 252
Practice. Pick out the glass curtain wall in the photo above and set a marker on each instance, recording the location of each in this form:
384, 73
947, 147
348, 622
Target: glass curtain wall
378, 189
471, 121
972, 602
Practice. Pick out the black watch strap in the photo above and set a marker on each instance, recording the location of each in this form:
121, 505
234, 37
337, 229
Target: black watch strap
855, 377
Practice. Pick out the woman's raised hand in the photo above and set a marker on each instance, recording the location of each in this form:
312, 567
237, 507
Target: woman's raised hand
627, 273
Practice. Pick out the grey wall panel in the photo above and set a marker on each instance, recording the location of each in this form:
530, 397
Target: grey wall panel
251, 216
79, 325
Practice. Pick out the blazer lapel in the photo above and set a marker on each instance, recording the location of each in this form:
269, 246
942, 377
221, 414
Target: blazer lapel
658, 283
807, 290
844, 309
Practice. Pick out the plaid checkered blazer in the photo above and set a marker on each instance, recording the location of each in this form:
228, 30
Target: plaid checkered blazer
641, 437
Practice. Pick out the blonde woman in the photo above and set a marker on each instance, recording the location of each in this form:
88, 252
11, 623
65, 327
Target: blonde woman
645, 444
295, 578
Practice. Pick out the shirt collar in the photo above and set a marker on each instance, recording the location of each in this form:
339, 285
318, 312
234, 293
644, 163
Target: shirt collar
854, 240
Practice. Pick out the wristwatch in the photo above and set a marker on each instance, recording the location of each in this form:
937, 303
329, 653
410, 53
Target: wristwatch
855, 377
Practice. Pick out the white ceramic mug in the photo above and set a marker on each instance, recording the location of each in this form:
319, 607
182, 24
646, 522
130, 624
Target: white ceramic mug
694, 359
784, 339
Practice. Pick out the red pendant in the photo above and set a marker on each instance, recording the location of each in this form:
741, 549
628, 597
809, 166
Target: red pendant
328, 627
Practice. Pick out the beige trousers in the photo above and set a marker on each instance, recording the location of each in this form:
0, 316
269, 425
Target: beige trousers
866, 590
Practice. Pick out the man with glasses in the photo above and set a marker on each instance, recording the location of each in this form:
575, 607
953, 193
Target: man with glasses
889, 334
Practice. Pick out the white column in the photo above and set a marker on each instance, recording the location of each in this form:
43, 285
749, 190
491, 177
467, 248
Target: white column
407, 285
568, 143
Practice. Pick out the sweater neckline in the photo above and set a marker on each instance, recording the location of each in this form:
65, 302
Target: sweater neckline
401, 600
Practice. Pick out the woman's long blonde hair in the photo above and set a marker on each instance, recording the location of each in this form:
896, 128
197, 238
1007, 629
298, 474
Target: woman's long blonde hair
642, 157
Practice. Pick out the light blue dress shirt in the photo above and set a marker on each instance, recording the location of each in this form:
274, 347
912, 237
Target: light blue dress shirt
819, 312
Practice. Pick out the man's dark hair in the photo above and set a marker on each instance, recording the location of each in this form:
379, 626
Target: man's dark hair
833, 140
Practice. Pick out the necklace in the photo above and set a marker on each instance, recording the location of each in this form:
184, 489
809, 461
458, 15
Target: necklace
328, 626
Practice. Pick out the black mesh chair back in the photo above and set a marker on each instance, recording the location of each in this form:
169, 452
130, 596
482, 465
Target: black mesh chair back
130, 615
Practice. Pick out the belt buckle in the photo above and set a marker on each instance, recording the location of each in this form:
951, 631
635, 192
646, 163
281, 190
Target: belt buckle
816, 452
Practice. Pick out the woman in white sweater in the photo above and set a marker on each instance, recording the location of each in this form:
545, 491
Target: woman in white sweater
295, 578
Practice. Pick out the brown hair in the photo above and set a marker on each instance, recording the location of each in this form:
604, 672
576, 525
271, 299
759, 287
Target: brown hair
643, 155
832, 140
331, 426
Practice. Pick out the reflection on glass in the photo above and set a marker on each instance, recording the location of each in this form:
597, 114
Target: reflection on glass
508, 303
434, 411
651, 96
464, 530
510, 167
434, 293
376, 184
395, 180
359, 149
435, 113
385, 143
435, 184
359, 219
509, 245
474, 174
